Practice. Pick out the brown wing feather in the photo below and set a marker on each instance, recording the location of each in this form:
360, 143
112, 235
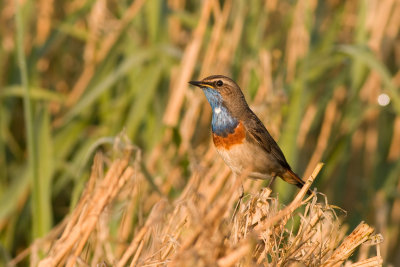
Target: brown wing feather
257, 133
260, 135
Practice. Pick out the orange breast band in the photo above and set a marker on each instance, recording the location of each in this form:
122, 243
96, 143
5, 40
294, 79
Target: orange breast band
232, 139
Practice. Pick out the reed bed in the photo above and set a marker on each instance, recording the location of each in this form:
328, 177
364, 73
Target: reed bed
200, 227
323, 76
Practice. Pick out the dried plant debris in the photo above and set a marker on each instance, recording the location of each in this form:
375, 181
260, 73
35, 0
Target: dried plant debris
121, 220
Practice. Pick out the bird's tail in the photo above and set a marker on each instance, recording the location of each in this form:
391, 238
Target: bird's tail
292, 178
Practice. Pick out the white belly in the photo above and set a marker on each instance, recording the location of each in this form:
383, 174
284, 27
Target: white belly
250, 159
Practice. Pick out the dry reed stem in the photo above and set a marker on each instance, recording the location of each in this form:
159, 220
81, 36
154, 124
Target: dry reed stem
187, 66
43, 25
298, 39
106, 45
136, 242
125, 228
350, 243
137, 254
306, 123
265, 72
188, 124
394, 152
328, 121
371, 262
211, 54
235, 256
84, 218
379, 18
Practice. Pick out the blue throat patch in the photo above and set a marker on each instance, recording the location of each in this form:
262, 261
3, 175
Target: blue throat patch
222, 122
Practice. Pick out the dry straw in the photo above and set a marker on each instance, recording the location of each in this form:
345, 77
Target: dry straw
197, 229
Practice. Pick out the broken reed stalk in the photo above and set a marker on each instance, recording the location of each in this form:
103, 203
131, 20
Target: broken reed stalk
297, 202
350, 243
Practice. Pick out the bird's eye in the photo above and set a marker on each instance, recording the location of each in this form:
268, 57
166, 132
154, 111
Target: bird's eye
219, 83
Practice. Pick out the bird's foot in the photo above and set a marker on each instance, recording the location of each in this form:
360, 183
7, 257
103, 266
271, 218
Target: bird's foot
271, 181
241, 195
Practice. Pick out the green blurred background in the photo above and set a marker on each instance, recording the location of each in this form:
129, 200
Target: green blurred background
322, 75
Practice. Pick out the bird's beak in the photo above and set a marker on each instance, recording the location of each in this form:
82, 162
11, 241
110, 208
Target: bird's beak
200, 84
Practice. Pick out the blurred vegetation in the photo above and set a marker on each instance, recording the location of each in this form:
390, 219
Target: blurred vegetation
73, 74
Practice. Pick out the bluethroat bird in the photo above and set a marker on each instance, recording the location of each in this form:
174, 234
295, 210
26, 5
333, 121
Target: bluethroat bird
239, 136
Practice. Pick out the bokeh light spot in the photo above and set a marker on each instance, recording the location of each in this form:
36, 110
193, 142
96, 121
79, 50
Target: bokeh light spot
383, 99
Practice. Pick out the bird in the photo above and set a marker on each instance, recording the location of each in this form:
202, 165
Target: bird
240, 137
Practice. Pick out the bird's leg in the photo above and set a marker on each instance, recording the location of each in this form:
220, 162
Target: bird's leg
271, 181
241, 195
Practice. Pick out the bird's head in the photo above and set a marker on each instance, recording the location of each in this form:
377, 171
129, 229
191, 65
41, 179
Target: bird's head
221, 90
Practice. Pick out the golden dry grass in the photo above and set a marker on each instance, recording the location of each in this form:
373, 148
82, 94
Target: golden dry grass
119, 222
